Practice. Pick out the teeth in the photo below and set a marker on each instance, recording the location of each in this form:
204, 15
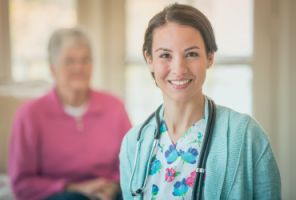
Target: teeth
182, 82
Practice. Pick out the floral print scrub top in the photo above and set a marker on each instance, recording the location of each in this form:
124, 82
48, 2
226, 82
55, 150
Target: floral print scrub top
172, 170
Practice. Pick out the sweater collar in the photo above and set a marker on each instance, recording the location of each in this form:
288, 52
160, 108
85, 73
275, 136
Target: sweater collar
57, 108
153, 121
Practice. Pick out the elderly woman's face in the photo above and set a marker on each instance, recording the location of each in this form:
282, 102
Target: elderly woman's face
72, 69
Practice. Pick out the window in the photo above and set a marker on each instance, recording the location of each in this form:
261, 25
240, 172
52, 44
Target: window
229, 81
32, 23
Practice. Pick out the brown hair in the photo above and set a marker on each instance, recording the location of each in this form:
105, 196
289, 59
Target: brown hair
183, 15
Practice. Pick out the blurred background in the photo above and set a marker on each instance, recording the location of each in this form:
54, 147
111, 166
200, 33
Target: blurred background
254, 71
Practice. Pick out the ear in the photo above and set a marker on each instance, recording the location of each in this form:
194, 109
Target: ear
210, 59
148, 59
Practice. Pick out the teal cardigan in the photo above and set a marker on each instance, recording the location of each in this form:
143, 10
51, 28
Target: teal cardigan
240, 163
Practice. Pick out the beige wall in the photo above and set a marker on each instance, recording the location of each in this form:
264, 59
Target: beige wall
105, 21
8, 107
5, 71
274, 82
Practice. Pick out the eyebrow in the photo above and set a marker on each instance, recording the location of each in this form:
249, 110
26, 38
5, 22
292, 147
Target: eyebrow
193, 47
168, 50
163, 49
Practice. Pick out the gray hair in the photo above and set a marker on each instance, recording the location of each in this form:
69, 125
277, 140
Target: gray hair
64, 37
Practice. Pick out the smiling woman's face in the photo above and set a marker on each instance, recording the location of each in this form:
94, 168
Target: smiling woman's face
179, 61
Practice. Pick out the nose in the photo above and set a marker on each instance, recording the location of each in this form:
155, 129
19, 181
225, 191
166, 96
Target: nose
80, 64
179, 66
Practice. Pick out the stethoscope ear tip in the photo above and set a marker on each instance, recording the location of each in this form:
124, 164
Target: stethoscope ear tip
139, 191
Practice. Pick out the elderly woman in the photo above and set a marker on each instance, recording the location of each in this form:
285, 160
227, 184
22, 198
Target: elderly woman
65, 144
191, 148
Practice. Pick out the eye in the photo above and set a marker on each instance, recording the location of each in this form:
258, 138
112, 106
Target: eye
165, 55
192, 54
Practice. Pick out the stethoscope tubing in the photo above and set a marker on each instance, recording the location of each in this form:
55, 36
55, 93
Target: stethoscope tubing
200, 173
155, 143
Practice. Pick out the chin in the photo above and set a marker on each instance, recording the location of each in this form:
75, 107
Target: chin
80, 87
182, 97
179, 98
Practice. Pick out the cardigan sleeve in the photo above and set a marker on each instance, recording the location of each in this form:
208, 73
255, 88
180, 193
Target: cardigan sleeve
252, 171
266, 175
24, 160
125, 170
267, 181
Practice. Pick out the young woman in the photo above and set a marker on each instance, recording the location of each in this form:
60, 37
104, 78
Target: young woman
191, 148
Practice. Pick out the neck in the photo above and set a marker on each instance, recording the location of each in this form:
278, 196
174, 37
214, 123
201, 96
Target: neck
73, 98
179, 116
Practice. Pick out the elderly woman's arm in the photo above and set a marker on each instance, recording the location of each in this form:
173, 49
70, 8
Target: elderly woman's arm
24, 161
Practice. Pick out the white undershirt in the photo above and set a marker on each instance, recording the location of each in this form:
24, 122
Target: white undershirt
75, 111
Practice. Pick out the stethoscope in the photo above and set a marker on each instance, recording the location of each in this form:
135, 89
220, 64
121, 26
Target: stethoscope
201, 166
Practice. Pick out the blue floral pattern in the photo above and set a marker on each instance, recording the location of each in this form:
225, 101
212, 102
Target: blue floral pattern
163, 127
171, 154
180, 188
155, 166
189, 156
172, 169
155, 190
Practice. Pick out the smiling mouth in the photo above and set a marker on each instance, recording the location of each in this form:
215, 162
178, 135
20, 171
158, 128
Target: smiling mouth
180, 82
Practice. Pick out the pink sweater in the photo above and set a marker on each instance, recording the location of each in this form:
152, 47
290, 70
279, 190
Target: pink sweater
49, 148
